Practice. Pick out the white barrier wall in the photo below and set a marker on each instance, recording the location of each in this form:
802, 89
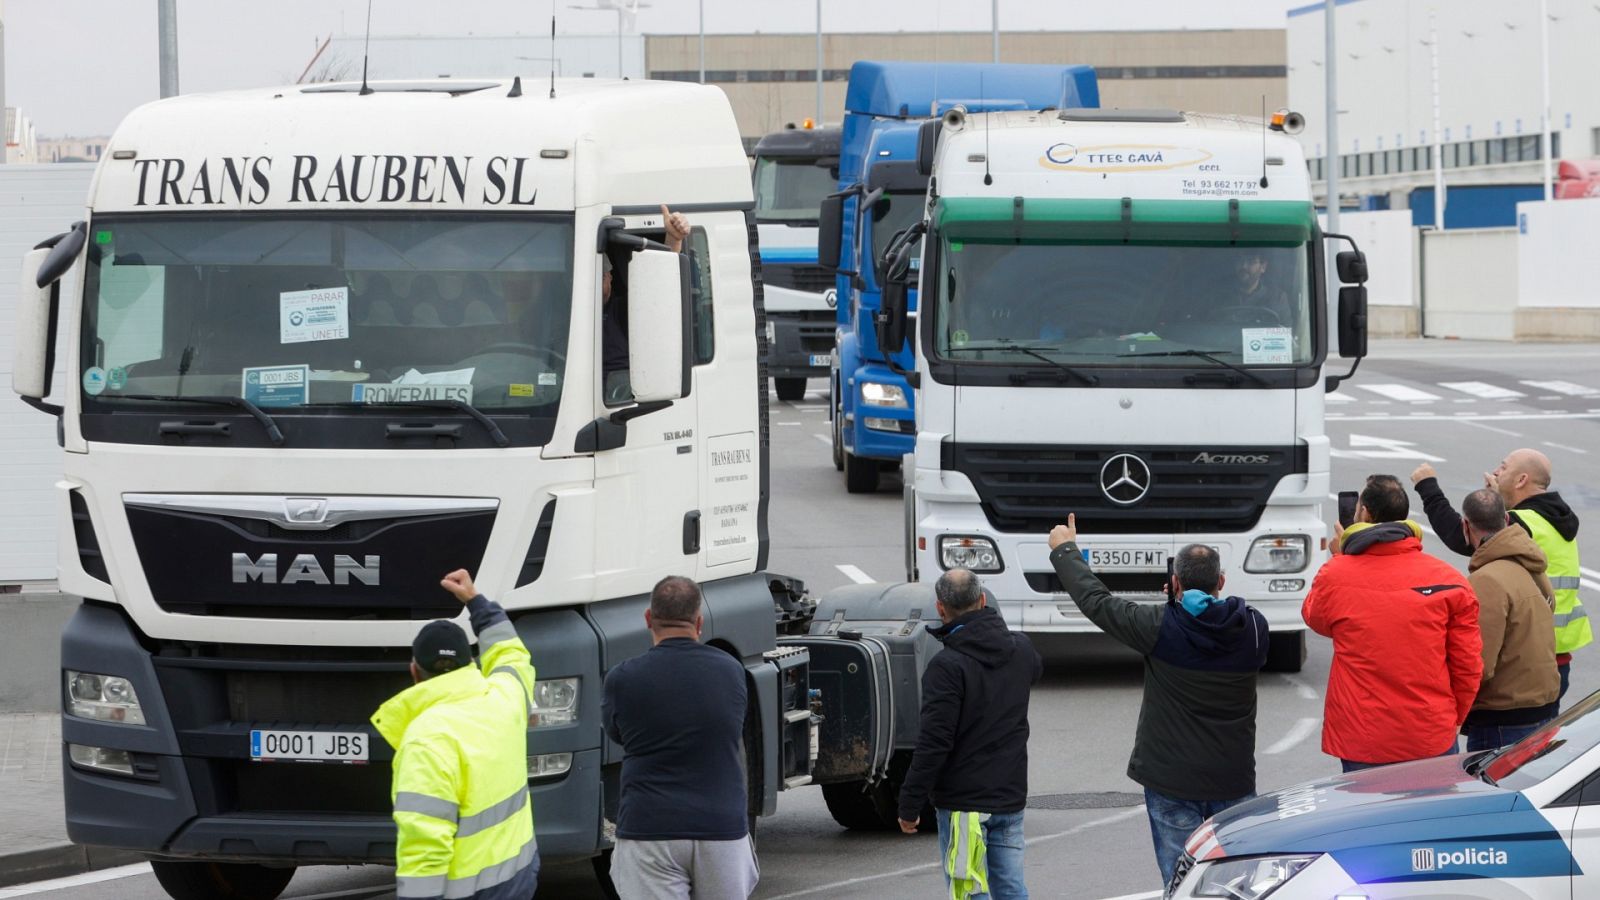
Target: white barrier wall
1387, 238
38, 201
1469, 283
1557, 262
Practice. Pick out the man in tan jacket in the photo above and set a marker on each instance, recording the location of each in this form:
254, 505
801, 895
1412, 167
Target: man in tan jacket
1521, 687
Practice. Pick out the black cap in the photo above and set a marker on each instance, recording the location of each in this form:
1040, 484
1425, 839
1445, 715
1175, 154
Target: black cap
440, 647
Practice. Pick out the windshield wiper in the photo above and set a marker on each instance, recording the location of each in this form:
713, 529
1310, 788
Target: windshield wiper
273, 434
500, 439
1008, 344
1206, 355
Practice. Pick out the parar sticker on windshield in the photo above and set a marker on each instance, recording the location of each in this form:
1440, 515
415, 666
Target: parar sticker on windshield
320, 314
1267, 346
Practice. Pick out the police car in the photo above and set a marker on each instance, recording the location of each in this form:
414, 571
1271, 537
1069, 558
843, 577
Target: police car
1519, 822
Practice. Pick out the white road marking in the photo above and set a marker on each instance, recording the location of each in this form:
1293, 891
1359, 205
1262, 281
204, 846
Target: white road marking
825, 439
1338, 399
1364, 446
854, 574
1504, 416
1305, 690
1147, 895
371, 892
1491, 428
791, 423
1482, 389
1400, 392
71, 881
1301, 730
1565, 447
1589, 572
935, 866
1564, 387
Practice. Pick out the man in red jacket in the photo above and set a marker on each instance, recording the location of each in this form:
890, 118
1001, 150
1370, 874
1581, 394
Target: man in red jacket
1407, 653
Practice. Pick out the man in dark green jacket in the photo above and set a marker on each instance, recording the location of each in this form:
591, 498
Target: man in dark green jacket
1195, 750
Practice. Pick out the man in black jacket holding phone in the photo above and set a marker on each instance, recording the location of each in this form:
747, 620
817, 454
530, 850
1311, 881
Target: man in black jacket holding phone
972, 749
1195, 750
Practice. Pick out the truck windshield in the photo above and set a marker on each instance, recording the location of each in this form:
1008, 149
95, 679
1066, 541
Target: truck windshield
791, 189
317, 311
892, 214
1124, 305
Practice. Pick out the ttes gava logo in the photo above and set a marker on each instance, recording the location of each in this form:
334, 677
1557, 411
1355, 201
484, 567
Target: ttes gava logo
1427, 859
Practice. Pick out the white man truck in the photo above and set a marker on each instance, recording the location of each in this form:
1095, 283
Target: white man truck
794, 170
331, 342
1123, 317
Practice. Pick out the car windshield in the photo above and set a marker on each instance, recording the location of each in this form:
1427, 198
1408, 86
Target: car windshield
791, 190
312, 311
1545, 752
1126, 305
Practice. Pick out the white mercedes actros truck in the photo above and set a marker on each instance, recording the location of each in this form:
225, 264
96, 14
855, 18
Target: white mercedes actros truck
1123, 317
331, 342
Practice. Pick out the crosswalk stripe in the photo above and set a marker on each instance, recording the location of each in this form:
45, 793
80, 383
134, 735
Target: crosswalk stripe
1338, 399
1482, 389
1400, 392
1564, 387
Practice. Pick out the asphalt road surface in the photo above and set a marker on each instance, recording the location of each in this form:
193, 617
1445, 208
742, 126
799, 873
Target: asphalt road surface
1459, 405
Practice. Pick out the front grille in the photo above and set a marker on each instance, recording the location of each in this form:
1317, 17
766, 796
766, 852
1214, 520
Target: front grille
1116, 582
259, 787
89, 555
810, 278
309, 697
1030, 489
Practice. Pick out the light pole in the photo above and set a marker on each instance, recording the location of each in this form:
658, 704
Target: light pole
994, 27
622, 8
702, 41
1544, 106
167, 42
1438, 137
819, 63
1332, 88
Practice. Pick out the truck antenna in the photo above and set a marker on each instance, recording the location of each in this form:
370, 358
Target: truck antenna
552, 50
366, 51
987, 178
1264, 126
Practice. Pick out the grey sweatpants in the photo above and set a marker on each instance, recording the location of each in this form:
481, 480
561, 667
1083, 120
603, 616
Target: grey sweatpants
684, 870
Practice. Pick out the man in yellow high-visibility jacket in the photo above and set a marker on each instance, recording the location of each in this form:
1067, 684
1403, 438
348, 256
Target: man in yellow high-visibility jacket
461, 759
1523, 481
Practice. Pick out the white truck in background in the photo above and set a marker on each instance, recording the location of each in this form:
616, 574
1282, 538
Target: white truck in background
1123, 317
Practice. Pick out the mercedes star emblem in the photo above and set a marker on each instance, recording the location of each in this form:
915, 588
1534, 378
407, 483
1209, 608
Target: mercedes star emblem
1125, 479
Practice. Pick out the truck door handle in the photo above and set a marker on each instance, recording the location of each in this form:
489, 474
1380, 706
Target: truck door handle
217, 429
691, 532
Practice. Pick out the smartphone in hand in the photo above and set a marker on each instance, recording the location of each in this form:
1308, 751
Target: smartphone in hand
1347, 507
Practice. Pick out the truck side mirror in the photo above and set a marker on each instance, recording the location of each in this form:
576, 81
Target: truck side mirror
659, 325
33, 360
928, 145
1352, 266
1352, 318
830, 226
894, 308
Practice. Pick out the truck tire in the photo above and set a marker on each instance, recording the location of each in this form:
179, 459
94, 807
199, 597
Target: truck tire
860, 475
220, 880
838, 439
854, 805
789, 388
1287, 652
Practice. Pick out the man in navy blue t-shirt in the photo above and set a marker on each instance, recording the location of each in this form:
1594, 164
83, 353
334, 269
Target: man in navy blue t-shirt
681, 826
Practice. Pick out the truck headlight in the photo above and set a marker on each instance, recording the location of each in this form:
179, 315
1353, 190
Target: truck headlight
104, 698
1278, 553
1248, 879
889, 396
549, 765
979, 554
555, 701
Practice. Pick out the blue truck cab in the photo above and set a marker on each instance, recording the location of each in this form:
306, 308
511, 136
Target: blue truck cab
873, 408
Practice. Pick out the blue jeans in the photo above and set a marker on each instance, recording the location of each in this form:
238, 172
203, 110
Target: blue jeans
1350, 765
1493, 737
1172, 820
1002, 840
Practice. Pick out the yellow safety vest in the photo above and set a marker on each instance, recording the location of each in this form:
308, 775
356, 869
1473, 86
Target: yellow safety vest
461, 799
1572, 621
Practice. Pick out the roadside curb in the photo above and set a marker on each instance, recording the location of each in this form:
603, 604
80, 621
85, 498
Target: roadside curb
59, 861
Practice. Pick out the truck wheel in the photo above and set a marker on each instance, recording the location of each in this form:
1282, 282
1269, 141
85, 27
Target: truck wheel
855, 806
1287, 652
860, 475
221, 881
789, 388
838, 439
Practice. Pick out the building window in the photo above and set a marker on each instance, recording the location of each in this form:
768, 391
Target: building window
1555, 145
1497, 151
1594, 142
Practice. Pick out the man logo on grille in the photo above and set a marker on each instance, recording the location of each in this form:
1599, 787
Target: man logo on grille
1422, 859
1125, 479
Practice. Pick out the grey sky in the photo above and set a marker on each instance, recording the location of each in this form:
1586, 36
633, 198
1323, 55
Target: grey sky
76, 66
